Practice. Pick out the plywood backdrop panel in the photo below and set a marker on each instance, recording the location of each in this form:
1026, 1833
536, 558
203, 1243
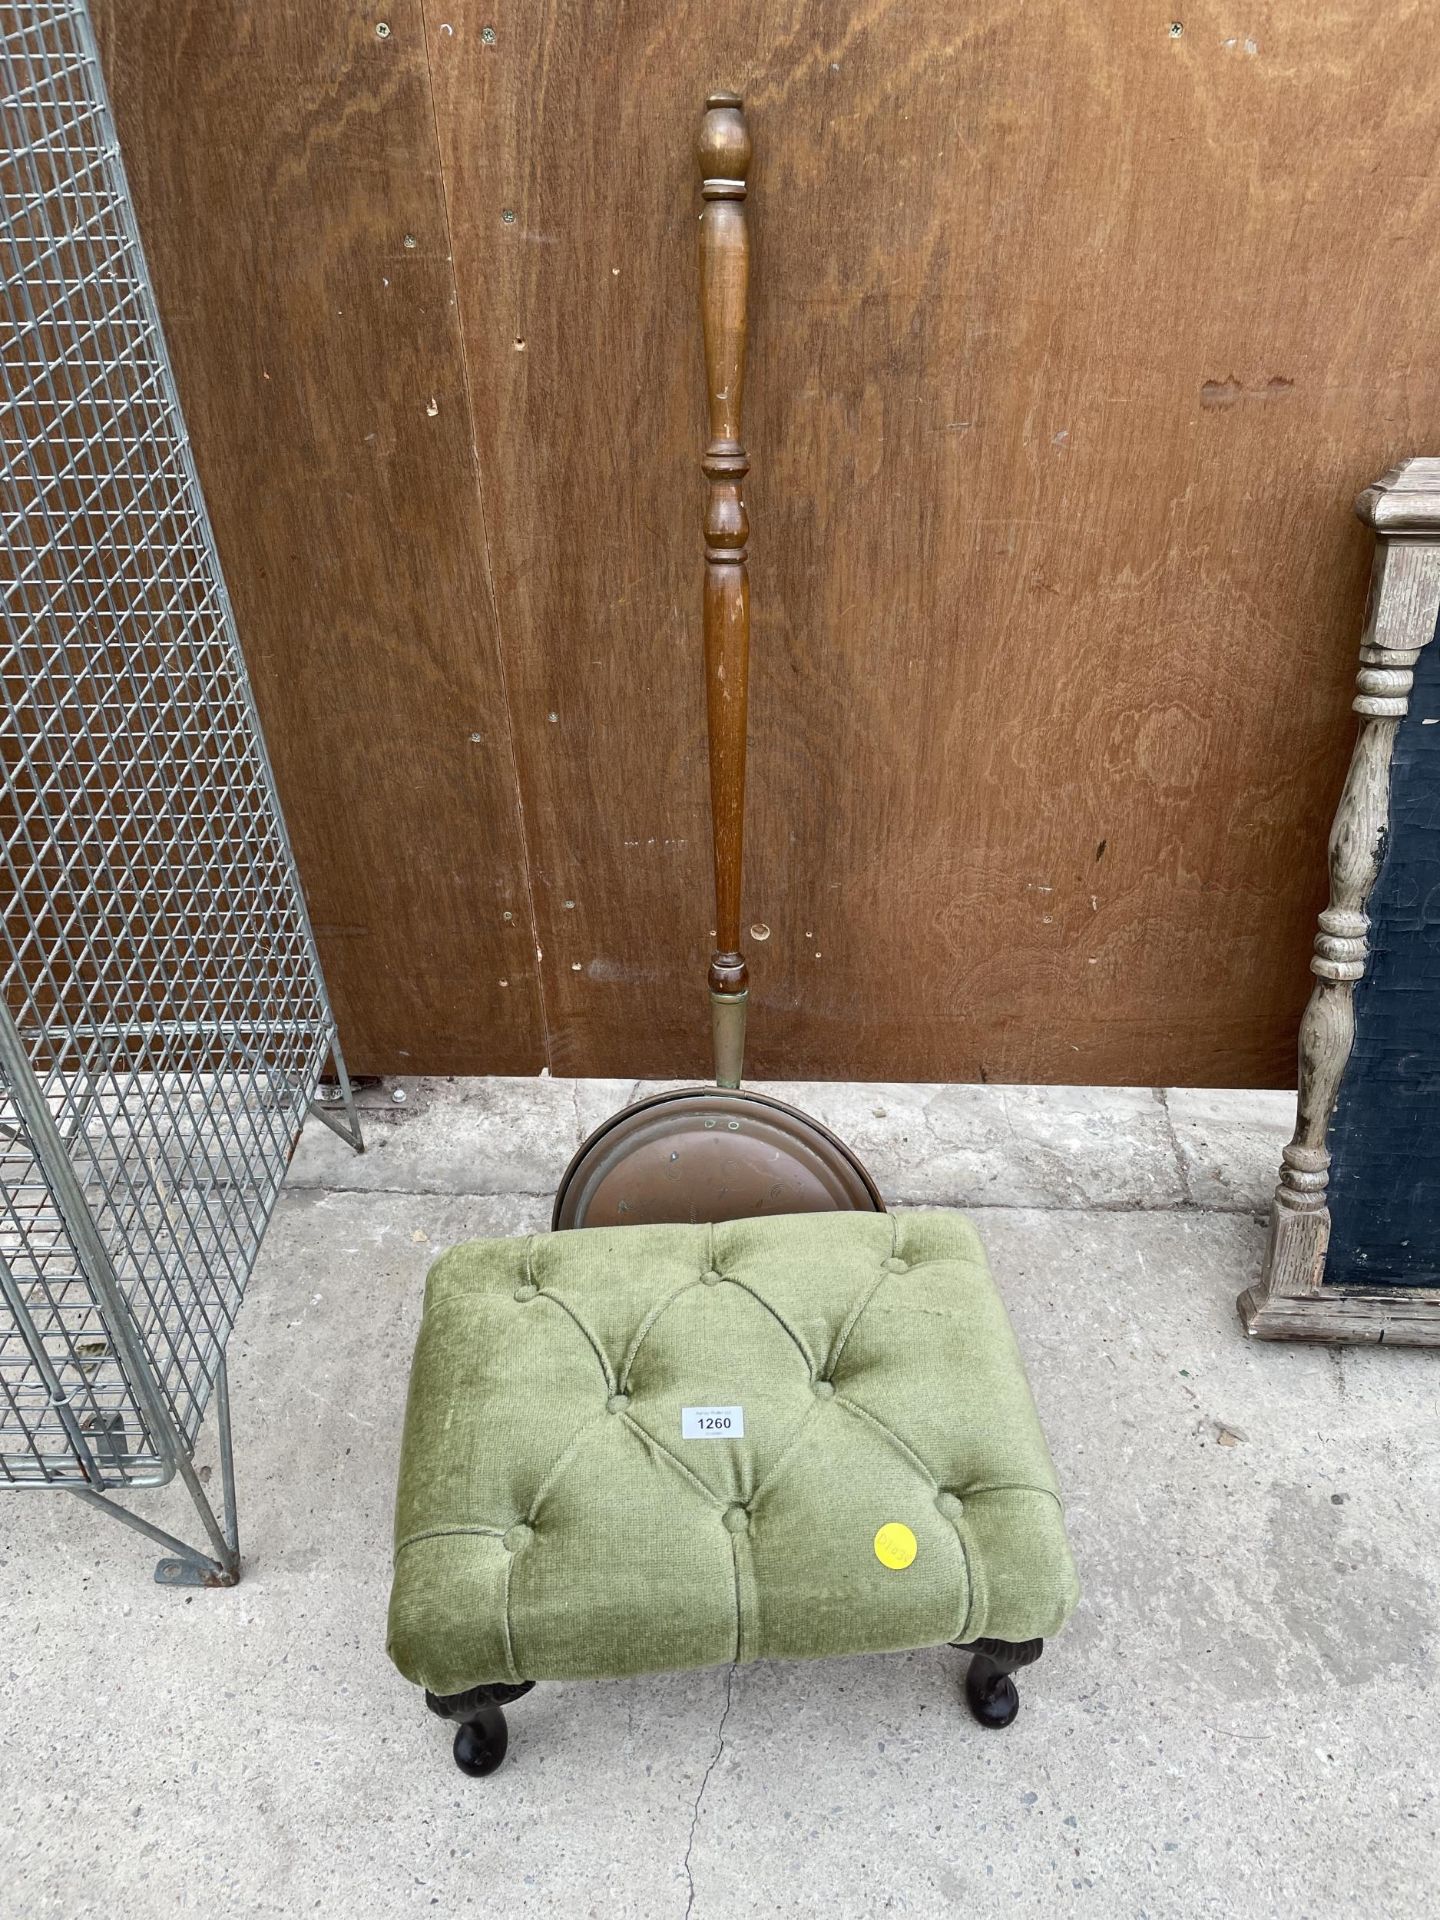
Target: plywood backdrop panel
1072, 339
284, 165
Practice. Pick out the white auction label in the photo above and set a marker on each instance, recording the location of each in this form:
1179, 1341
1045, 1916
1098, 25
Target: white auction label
712, 1423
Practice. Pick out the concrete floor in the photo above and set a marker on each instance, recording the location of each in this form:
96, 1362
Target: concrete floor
1242, 1719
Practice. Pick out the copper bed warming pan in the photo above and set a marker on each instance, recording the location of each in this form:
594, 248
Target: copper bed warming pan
717, 1153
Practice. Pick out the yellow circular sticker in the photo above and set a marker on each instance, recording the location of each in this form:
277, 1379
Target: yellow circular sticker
895, 1546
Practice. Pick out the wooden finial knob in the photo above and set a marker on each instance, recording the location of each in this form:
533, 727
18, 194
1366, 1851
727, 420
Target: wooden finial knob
723, 148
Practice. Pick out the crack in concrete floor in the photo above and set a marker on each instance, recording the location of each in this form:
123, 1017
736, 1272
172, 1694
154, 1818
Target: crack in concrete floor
704, 1783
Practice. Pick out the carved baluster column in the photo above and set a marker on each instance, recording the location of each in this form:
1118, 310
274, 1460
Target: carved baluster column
723, 152
1404, 510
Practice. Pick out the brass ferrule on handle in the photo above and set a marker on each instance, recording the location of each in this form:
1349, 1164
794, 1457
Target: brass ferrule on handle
723, 153
727, 1029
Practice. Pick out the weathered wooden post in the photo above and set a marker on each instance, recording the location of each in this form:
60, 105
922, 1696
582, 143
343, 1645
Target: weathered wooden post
1293, 1299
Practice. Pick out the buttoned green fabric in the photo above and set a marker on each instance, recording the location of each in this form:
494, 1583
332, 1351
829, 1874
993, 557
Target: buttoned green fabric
553, 1523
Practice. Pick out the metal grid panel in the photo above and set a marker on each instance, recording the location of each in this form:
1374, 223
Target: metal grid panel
158, 964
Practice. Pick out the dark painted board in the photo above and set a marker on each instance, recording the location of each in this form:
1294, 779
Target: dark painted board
1385, 1137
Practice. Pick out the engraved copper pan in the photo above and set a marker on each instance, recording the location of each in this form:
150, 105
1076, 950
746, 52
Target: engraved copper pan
717, 1153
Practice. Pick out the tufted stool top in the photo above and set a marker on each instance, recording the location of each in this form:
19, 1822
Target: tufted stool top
638, 1448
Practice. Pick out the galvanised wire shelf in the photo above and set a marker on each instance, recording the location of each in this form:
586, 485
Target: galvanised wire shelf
164, 1024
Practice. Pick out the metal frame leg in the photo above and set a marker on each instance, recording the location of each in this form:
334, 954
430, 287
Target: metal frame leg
187, 1566
343, 1118
191, 1566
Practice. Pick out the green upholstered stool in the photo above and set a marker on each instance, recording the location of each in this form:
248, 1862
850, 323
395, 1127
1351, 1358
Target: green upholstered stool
646, 1448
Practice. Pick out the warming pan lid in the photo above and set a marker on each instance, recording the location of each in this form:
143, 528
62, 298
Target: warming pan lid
710, 1154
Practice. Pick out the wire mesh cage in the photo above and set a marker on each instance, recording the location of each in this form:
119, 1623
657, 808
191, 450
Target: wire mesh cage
164, 1023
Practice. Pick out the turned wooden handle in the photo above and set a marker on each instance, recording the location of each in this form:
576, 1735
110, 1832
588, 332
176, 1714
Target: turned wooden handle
723, 152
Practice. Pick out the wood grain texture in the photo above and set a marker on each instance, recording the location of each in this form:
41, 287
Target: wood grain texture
1055, 438
1345, 1316
284, 166
1071, 343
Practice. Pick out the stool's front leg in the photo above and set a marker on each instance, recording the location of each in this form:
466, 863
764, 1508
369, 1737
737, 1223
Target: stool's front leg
481, 1735
991, 1694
